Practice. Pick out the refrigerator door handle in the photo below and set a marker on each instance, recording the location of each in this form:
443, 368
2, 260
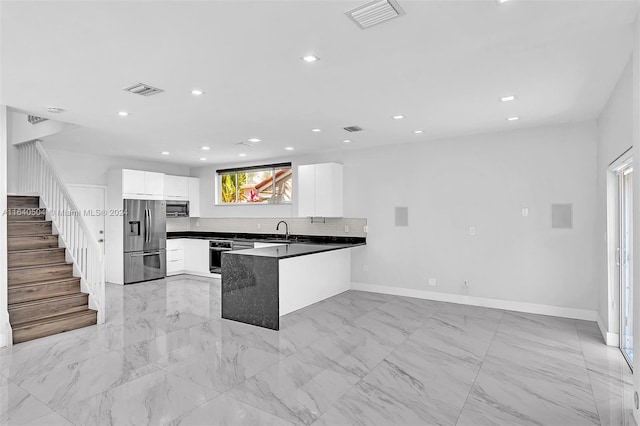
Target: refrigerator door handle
155, 253
146, 225
150, 225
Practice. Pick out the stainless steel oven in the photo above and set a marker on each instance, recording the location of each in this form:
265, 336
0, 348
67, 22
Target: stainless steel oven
216, 248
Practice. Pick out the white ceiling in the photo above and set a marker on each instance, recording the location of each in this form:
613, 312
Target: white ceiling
443, 66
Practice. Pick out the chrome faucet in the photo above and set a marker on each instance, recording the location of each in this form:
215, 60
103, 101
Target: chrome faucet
286, 229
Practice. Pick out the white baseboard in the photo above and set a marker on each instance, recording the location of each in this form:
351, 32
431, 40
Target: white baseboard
611, 339
6, 335
532, 308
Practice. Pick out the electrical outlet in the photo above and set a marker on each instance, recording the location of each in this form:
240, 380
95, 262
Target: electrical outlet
472, 230
465, 287
365, 229
259, 226
346, 229
197, 224
365, 268
525, 212
432, 282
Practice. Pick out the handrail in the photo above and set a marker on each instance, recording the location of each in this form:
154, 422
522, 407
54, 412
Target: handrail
38, 175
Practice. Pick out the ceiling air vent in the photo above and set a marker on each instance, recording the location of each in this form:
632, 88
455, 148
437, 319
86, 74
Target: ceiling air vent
34, 119
374, 12
143, 89
353, 129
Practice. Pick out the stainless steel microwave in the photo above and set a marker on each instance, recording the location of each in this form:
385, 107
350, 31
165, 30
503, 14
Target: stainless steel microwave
177, 208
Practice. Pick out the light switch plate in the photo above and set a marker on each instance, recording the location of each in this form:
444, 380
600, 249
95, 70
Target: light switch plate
525, 212
346, 229
472, 230
432, 282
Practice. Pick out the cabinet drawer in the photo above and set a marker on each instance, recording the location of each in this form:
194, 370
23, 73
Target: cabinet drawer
175, 266
173, 255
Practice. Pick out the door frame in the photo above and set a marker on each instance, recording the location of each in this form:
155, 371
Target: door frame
104, 199
613, 243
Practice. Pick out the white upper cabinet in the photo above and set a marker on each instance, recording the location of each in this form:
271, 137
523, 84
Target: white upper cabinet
194, 196
176, 187
133, 182
154, 184
320, 191
138, 184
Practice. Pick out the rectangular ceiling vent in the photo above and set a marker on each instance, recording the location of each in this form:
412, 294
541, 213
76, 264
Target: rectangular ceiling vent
143, 89
34, 119
353, 129
374, 12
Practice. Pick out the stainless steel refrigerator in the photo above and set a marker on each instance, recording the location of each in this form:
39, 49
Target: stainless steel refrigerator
145, 240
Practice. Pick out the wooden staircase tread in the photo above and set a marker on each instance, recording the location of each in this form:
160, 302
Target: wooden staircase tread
14, 306
45, 265
32, 235
53, 319
36, 250
46, 282
28, 235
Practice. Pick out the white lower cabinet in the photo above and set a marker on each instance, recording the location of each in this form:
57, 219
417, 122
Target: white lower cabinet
196, 257
175, 257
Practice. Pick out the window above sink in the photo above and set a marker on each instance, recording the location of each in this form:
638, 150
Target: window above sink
265, 184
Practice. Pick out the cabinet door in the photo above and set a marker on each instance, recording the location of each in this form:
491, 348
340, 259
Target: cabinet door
154, 184
328, 196
181, 187
196, 255
168, 187
133, 182
306, 190
194, 197
190, 255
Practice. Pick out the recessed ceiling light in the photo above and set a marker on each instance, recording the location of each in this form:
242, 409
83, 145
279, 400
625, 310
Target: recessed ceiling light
197, 92
55, 110
205, 148
513, 118
310, 58
255, 140
507, 98
123, 113
316, 130
203, 159
417, 132
242, 154
501, 1
165, 153
289, 148
346, 141
398, 117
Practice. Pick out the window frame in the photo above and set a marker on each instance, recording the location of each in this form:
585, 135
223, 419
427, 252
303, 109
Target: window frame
238, 170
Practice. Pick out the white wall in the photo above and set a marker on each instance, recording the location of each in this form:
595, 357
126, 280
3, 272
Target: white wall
481, 181
89, 169
615, 136
5, 334
23, 131
636, 208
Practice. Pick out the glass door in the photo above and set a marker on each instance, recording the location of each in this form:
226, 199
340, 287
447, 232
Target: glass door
624, 260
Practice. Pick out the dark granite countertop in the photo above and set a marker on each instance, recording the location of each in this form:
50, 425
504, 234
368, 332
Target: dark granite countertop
290, 250
268, 238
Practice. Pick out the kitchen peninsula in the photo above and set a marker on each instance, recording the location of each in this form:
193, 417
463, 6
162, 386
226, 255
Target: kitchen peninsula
262, 284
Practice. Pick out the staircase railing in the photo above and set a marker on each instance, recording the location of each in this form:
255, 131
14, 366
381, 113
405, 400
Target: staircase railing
39, 176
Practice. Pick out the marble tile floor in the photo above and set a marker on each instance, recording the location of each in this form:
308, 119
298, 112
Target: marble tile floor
165, 357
